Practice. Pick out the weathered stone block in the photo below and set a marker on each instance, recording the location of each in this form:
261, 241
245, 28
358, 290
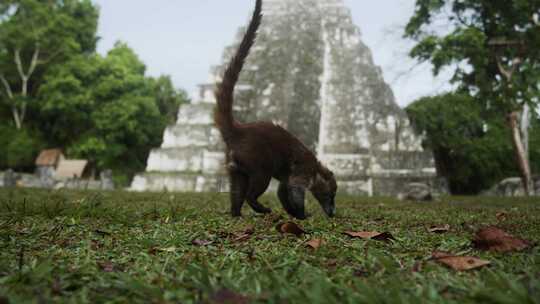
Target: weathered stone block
184, 136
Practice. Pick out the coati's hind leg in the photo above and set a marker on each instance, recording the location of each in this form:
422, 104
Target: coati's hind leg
239, 186
257, 186
292, 199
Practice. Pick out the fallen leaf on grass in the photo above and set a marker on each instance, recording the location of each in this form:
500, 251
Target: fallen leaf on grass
439, 229
501, 216
495, 239
315, 243
199, 242
373, 235
95, 245
417, 267
226, 296
459, 263
241, 237
244, 234
331, 263
106, 266
249, 229
360, 273
291, 228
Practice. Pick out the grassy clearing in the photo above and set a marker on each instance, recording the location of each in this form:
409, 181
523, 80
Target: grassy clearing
117, 247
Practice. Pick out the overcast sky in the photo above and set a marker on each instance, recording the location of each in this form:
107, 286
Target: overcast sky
184, 38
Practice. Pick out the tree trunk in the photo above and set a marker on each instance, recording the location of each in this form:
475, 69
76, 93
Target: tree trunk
525, 123
25, 77
9, 95
520, 153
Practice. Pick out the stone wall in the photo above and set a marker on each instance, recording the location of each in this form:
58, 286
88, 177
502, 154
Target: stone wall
26, 180
513, 187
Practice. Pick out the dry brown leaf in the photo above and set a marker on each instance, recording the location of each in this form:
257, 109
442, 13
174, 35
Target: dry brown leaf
360, 273
417, 267
106, 266
199, 242
332, 263
374, 235
439, 229
95, 245
501, 216
241, 237
315, 243
462, 263
249, 229
291, 228
226, 296
495, 239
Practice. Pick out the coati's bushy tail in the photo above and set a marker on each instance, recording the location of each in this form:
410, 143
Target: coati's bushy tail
223, 116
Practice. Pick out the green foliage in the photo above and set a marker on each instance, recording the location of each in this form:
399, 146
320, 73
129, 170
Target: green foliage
471, 36
168, 98
470, 147
102, 108
117, 247
106, 110
19, 148
40, 34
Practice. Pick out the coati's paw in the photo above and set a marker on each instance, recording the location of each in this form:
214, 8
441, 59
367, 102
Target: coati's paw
236, 213
263, 210
302, 216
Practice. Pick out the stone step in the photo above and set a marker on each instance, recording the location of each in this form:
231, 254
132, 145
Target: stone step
184, 135
192, 159
198, 113
387, 161
179, 182
348, 164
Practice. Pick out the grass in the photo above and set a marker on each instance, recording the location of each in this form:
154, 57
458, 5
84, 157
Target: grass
92, 247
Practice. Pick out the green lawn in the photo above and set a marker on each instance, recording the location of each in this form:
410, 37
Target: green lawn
121, 247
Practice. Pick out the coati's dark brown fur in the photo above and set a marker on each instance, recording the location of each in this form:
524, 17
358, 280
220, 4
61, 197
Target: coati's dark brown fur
258, 151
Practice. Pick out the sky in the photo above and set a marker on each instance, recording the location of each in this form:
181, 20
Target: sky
184, 38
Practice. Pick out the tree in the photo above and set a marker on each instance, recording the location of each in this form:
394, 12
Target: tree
34, 35
493, 47
168, 98
106, 110
468, 143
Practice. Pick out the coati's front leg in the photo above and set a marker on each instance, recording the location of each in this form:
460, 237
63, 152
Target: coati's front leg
239, 185
258, 183
292, 198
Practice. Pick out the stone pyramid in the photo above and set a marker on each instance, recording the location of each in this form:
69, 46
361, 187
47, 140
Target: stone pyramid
309, 72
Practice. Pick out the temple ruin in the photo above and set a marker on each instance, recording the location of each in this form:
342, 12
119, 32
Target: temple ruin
309, 72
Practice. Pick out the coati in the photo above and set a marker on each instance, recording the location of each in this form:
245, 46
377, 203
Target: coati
256, 152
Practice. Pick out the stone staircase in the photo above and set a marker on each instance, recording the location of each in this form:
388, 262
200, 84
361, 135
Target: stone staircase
191, 157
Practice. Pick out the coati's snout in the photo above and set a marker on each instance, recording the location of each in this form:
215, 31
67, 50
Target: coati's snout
327, 202
324, 190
